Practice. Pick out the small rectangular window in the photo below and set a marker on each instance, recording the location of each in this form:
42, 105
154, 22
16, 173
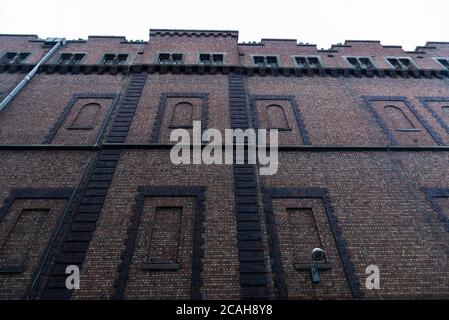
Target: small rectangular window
301, 62
218, 58
207, 58
395, 63
444, 62
114, 59
77, 58
314, 62
108, 59
177, 58
360, 62
14, 57
266, 61
366, 63
65, 58
259, 61
170, 58
121, 59
22, 57
71, 58
401, 63
407, 63
164, 58
308, 62
272, 62
8, 57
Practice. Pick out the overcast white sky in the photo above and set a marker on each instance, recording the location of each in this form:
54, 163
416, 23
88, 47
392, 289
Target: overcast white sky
323, 22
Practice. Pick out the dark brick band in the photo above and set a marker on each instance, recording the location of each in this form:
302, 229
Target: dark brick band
425, 101
87, 212
431, 194
253, 278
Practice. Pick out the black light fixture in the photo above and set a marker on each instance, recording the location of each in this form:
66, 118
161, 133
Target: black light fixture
318, 255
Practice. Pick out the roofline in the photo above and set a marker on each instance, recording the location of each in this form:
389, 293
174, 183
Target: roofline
369, 41
274, 39
107, 37
190, 30
19, 35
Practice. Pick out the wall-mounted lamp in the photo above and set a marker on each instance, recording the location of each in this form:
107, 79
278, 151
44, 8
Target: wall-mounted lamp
318, 255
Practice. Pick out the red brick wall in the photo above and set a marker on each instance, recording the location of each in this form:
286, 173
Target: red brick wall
40, 171
141, 168
382, 214
213, 86
30, 117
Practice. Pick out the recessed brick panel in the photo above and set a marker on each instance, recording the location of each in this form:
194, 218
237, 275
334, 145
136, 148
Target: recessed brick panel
26, 228
399, 121
301, 226
161, 266
171, 120
288, 119
80, 125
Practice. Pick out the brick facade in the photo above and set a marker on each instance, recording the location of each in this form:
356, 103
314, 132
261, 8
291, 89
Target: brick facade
86, 177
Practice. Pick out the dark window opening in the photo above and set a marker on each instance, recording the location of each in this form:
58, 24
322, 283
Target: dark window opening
444, 62
164, 58
360, 63
272, 62
401, 63
114, 59
71, 58
308, 62
14, 57
170, 58
65, 58
266, 61
216, 58
121, 59
108, 59
259, 61
205, 58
